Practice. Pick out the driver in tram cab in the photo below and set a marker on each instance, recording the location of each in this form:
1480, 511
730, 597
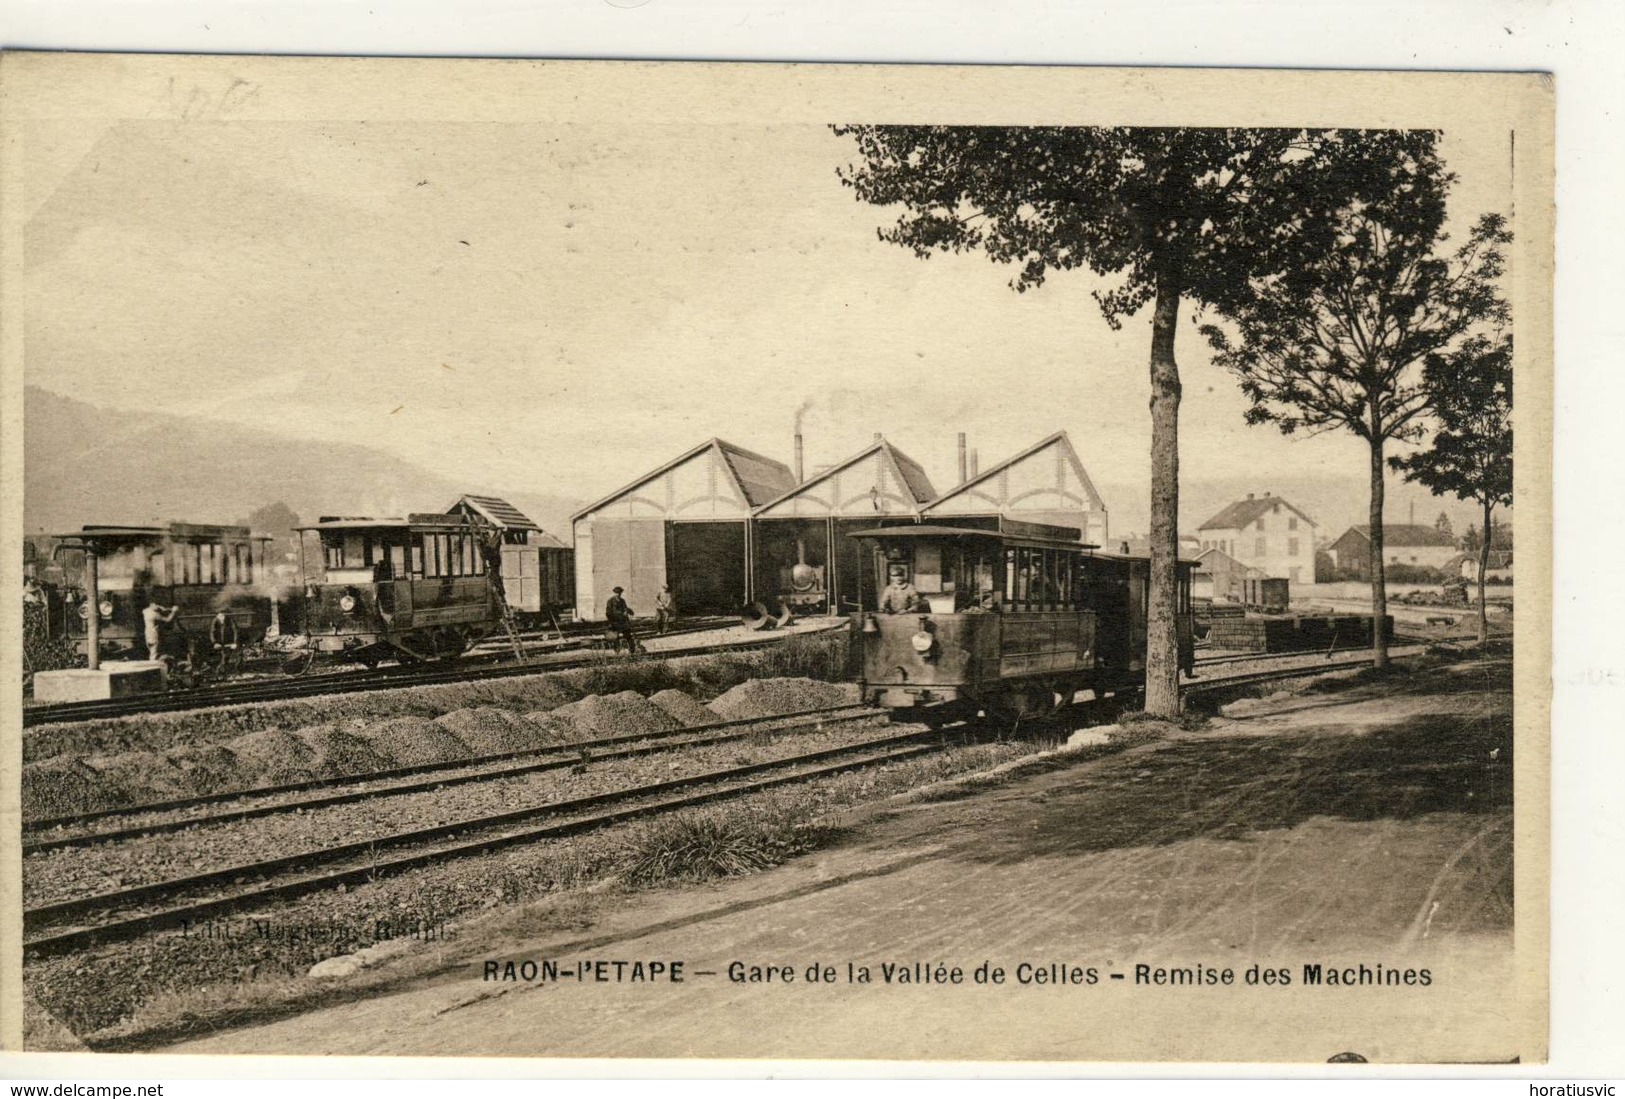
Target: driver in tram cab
900, 597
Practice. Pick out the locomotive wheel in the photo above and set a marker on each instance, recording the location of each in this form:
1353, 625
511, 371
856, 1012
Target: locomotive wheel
299, 663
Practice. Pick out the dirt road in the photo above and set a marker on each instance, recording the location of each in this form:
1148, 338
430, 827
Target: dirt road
1366, 833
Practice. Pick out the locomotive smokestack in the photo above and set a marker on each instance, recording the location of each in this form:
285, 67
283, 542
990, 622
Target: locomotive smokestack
800, 471
962, 467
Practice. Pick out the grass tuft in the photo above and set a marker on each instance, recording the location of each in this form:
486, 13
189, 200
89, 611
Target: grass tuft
700, 846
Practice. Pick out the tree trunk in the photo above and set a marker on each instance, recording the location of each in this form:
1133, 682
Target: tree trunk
1379, 579
1483, 567
1162, 636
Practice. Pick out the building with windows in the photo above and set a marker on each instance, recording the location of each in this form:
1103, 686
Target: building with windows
1402, 544
1264, 533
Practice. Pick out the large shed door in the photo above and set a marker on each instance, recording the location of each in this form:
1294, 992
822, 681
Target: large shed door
628, 554
708, 567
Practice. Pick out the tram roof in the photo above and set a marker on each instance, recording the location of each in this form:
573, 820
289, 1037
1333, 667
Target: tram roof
934, 530
930, 530
425, 521
179, 531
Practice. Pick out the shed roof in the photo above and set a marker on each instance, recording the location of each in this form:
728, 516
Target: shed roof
496, 511
1095, 500
909, 473
1404, 534
759, 479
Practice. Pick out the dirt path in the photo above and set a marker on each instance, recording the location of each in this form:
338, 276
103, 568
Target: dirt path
1369, 829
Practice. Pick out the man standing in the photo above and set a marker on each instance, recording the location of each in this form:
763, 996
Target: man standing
619, 616
900, 597
665, 609
153, 618
223, 636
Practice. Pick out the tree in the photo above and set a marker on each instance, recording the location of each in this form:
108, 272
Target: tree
1338, 342
1445, 527
1471, 394
1171, 215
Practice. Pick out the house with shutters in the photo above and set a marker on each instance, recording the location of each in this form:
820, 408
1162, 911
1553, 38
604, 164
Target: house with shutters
1264, 533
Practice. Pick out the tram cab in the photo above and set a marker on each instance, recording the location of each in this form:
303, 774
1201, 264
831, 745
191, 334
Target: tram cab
1017, 619
415, 588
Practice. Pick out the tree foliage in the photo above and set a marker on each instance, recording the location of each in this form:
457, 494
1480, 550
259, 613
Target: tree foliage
1337, 343
1209, 209
1470, 391
1471, 397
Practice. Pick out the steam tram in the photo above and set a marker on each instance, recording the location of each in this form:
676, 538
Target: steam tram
199, 568
425, 587
1013, 622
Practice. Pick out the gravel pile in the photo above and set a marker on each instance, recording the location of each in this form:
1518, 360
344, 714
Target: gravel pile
409, 741
766, 697
339, 752
206, 768
273, 756
686, 709
547, 728
61, 787
615, 715
145, 776
488, 730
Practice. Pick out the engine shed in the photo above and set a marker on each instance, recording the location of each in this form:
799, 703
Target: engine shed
686, 523
804, 556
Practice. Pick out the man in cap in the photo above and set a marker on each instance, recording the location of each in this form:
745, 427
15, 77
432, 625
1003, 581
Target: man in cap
619, 616
900, 597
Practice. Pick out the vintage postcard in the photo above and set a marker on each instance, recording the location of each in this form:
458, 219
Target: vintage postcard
628, 560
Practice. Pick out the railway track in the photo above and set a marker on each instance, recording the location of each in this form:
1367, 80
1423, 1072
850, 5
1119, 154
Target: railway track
99, 918
177, 815
77, 923
465, 669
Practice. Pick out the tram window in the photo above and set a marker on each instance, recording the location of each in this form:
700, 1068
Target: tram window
928, 570
417, 558
397, 561
158, 569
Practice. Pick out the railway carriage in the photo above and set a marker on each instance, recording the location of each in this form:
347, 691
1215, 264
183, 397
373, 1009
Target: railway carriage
414, 588
199, 568
1011, 622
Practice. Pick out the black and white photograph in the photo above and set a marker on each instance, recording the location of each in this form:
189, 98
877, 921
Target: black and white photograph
667, 560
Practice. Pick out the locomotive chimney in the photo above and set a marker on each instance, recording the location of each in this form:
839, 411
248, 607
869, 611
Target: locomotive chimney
800, 474
962, 467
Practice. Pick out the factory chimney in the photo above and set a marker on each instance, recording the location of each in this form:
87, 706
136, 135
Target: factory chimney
962, 477
800, 469
973, 464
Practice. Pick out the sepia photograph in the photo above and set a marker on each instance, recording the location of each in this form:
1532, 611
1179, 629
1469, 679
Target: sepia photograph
864, 563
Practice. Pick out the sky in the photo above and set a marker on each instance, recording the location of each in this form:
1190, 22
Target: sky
558, 308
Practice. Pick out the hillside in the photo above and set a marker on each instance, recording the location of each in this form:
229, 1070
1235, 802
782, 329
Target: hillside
84, 464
